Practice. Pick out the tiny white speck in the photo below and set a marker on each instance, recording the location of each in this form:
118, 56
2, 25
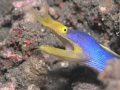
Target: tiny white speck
64, 64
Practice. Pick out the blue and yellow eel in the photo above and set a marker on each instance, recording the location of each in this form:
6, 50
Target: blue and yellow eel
80, 47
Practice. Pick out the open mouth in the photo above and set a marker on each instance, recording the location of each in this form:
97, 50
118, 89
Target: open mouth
67, 43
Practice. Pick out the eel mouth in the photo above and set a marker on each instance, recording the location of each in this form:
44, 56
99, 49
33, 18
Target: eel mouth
67, 43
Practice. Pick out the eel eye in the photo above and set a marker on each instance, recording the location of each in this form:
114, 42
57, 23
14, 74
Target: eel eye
64, 30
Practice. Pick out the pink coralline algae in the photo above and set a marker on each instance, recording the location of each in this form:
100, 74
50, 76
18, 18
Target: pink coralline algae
27, 43
13, 57
9, 58
24, 35
27, 2
61, 4
7, 86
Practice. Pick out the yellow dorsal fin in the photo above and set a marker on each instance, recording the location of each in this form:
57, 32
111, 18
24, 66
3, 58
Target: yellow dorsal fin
110, 50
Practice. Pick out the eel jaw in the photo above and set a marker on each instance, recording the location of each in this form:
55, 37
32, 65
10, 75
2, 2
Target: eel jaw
67, 43
72, 52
